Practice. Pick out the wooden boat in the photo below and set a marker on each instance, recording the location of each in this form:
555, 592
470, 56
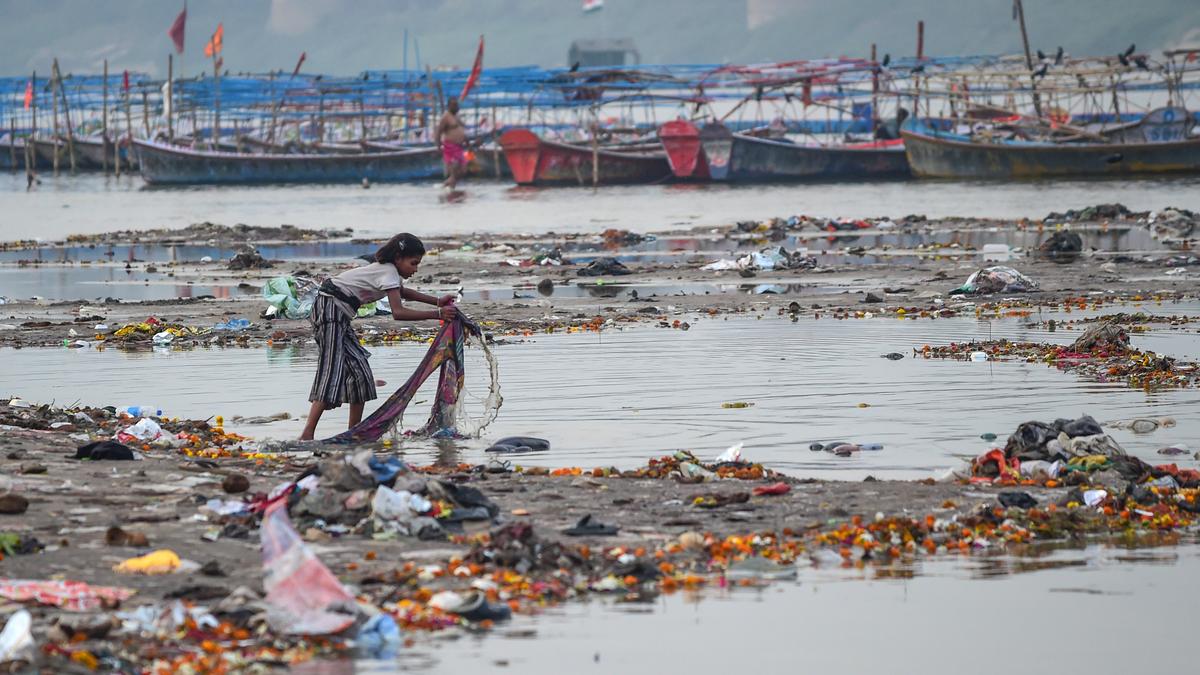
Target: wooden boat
97, 152
1159, 143
716, 153
45, 148
163, 164
12, 154
485, 161
536, 161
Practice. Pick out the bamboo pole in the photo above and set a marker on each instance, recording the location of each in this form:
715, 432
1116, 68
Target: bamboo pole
171, 97
128, 119
55, 137
216, 132
595, 149
104, 124
30, 154
1037, 103
874, 91
66, 116
274, 111
146, 113
495, 142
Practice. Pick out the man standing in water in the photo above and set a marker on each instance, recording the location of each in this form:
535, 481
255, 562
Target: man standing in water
451, 136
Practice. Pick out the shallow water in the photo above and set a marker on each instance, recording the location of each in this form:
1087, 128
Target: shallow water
620, 397
89, 204
989, 615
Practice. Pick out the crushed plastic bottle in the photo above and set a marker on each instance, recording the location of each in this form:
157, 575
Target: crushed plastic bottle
141, 411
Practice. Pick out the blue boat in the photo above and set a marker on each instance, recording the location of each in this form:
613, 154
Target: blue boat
716, 153
163, 164
1158, 143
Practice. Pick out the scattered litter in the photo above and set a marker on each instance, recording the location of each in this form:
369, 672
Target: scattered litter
233, 325
162, 561
73, 596
998, 279
303, 595
16, 640
146, 429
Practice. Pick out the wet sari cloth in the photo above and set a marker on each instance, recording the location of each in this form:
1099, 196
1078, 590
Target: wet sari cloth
446, 356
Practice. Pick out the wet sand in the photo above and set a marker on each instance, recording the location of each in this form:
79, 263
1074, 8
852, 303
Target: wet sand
857, 271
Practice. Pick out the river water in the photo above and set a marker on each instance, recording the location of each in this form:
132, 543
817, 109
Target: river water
992, 615
88, 204
619, 397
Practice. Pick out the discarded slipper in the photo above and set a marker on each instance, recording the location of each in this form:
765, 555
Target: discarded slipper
475, 607
586, 527
773, 489
520, 444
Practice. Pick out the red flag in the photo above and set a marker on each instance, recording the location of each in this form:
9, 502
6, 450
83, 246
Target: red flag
125, 83
176, 30
296, 70
475, 70
28, 94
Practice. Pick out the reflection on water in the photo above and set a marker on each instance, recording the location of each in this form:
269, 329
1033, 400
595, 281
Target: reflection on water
617, 398
94, 203
933, 621
92, 282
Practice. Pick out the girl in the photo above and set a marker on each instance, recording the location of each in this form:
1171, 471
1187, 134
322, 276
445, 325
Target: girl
343, 374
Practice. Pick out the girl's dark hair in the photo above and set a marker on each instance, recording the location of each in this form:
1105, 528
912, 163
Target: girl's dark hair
402, 245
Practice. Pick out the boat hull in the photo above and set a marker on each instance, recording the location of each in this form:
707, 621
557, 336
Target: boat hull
741, 158
681, 141
535, 161
169, 165
933, 157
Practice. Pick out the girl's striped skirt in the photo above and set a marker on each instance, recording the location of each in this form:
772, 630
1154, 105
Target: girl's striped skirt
343, 374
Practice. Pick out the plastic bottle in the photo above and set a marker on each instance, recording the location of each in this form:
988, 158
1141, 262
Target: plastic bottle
141, 411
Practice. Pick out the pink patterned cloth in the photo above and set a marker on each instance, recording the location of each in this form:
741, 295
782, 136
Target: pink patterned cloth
73, 596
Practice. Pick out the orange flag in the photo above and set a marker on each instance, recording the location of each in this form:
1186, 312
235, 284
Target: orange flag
216, 42
28, 94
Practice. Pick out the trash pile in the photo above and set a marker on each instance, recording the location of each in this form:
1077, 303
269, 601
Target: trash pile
291, 296
1173, 226
683, 466
767, 259
604, 267
381, 498
1075, 453
1063, 246
997, 279
249, 259
151, 330
1093, 213
1102, 353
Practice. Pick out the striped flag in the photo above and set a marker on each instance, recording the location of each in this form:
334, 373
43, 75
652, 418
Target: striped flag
590, 6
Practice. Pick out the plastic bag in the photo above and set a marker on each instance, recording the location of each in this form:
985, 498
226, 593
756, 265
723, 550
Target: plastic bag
145, 430
302, 594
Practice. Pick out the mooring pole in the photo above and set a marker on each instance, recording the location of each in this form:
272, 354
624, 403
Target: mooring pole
1037, 103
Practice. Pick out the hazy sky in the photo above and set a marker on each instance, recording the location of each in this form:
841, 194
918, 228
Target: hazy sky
347, 36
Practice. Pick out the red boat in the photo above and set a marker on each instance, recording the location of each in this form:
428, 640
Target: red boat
681, 140
537, 161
